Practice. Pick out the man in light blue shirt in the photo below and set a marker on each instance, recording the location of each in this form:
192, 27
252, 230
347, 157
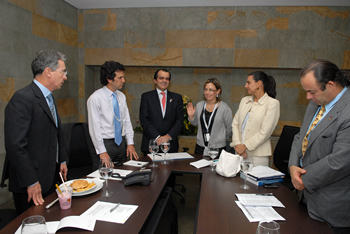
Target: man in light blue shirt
319, 161
33, 137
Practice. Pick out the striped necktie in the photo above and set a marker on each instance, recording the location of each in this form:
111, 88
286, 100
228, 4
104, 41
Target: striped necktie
53, 113
52, 107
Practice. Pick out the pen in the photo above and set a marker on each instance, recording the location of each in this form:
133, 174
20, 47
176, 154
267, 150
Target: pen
264, 194
113, 209
139, 164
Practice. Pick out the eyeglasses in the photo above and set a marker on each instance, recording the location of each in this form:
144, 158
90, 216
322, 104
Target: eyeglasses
209, 90
64, 72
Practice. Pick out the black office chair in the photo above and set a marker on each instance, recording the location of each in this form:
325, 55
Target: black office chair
6, 215
282, 151
183, 188
5, 173
80, 150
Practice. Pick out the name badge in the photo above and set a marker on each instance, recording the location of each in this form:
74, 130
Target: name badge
123, 128
207, 137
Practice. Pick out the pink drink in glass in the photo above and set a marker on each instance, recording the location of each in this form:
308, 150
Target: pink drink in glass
65, 198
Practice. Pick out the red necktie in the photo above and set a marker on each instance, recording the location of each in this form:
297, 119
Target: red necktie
163, 100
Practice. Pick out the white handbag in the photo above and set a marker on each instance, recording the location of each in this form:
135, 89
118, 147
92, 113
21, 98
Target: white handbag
229, 164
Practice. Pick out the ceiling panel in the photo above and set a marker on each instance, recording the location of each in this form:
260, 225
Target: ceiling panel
92, 4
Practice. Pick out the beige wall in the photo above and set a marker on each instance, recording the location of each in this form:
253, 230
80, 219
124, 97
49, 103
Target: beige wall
195, 43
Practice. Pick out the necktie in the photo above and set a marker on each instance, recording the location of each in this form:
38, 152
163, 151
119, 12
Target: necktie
314, 123
53, 113
163, 100
52, 107
117, 125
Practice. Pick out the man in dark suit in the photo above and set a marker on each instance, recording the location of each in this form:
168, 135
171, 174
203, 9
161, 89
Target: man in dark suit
33, 138
320, 157
161, 113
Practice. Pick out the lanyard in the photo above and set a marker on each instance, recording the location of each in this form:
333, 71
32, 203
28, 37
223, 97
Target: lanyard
211, 116
109, 101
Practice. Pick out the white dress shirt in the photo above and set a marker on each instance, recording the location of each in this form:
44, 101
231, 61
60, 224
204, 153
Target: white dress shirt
100, 118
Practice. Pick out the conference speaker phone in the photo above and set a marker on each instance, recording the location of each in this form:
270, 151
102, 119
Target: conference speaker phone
136, 177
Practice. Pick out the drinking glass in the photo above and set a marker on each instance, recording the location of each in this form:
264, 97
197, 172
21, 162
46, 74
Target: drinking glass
165, 147
34, 224
153, 148
246, 166
268, 227
106, 170
213, 153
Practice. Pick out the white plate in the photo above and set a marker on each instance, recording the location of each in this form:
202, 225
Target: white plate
96, 188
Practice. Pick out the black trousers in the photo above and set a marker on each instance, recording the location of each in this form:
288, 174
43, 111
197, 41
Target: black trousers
21, 199
116, 152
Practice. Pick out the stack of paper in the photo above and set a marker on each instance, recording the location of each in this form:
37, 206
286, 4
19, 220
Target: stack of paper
257, 207
173, 156
201, 163
121, 172
134, 163
263, 175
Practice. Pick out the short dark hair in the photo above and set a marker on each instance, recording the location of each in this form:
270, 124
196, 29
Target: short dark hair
269, 83
108, 70
164, 70
46, 58
217, 85
325, 71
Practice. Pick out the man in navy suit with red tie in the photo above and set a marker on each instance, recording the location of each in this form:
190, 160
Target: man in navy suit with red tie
161, 113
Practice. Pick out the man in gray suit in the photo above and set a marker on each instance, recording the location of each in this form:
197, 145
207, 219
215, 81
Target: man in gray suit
319, 161
33, 138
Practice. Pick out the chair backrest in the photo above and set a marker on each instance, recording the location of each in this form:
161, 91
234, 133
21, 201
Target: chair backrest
79, 154
283, 147
5, 173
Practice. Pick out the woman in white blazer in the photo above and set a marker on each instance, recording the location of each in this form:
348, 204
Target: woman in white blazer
256, 118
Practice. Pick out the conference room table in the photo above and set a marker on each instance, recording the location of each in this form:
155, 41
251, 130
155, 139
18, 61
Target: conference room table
217, 211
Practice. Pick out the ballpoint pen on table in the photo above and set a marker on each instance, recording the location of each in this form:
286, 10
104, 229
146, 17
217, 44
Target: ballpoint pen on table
114, 208
264, 194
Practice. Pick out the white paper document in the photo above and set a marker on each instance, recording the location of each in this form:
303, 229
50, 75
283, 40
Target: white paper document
123, 173
102, 211
258, 200
258, 213
263, 171
201, 163
172, 156
85, 223
134, 163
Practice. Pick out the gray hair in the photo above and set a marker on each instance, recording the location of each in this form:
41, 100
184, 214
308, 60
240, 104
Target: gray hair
46, 58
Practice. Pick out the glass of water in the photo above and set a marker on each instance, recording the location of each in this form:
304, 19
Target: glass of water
246, 166
34, 224
213, 153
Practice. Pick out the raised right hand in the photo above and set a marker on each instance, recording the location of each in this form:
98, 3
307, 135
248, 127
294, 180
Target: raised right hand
190, 110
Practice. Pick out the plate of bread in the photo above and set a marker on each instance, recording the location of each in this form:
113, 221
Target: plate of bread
83, 187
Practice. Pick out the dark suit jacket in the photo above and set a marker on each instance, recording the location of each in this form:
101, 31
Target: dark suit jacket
154, 124
327, 163
31, 138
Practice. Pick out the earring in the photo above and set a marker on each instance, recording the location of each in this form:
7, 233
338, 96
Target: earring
257, 88
217, 95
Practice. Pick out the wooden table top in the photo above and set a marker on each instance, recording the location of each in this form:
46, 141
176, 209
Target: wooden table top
217, 211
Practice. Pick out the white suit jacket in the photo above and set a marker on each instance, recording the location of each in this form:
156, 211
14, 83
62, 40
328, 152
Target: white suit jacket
263, 118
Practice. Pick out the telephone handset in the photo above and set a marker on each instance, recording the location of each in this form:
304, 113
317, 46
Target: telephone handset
143, 177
